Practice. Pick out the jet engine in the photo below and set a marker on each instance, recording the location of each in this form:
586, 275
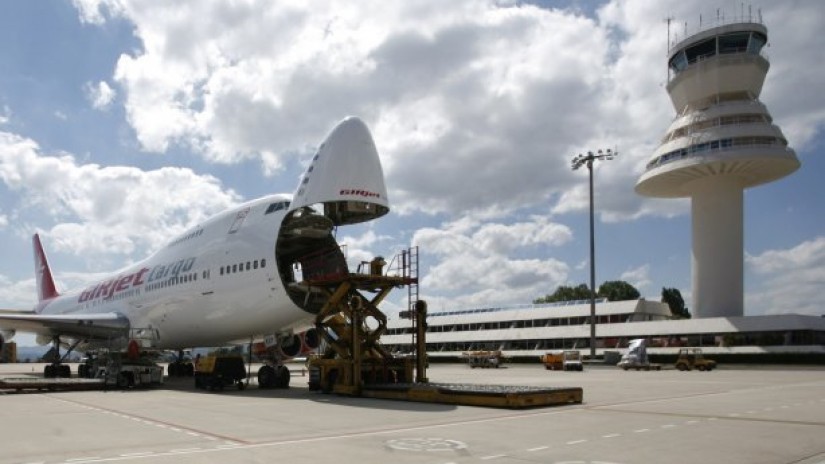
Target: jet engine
294, 345
289, 345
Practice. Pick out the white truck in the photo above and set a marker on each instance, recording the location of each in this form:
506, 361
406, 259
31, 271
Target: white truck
636, 357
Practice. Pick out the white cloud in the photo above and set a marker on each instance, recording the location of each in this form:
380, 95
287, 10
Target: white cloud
638, 277
106, 210
100, 95
17, 295
484, 263
791, 279
493, 98
96, 11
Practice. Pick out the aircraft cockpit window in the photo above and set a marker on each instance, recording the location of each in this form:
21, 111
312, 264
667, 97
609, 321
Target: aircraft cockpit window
277, 206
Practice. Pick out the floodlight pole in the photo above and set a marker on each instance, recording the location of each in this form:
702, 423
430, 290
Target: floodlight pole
579, 161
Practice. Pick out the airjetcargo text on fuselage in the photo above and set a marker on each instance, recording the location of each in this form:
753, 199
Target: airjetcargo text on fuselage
108, 288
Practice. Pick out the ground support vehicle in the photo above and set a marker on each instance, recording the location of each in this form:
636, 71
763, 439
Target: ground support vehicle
636, 357
353, 362
214, 372
483, 359
121, 370
568, 360
692, 358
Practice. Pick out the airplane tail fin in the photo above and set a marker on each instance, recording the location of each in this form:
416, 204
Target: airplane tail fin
345, 176
46, 289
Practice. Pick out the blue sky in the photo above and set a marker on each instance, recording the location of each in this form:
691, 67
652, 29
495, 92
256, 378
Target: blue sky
124, 122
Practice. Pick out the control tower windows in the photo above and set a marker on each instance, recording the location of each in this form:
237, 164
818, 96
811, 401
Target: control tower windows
702, 50
736, 42
733, 43
756, 43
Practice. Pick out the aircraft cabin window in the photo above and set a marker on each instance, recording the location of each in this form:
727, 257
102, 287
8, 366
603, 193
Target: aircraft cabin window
248, 265
240, 267
255, 264
221, 270
234, 268
263, 263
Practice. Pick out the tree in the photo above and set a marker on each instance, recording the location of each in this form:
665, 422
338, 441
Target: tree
618, 290
673, 298
566, 293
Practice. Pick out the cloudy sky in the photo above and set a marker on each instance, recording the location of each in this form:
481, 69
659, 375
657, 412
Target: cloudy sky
122, 122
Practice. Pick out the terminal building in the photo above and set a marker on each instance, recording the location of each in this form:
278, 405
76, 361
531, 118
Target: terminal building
528, 331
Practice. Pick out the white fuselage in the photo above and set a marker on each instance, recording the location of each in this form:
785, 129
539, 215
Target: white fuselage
217, 282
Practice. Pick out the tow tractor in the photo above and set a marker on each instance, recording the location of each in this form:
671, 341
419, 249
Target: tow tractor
692, 358
353, 361
216, 371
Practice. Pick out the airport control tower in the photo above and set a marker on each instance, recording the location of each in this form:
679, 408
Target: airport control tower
721, 142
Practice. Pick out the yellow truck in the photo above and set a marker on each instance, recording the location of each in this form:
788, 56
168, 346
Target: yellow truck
214, 372
567, 360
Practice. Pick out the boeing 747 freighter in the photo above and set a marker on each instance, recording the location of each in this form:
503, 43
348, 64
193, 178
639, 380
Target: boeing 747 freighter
230, 277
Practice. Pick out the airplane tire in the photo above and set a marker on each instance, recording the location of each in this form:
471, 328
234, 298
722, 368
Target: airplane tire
48, 372
188, 370
64, 371
266, 377
283, 377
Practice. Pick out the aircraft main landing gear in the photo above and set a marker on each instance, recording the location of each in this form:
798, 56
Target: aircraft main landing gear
273, 376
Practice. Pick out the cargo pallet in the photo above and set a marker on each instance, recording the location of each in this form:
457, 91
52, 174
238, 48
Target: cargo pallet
354, 363
51, 384
492, 396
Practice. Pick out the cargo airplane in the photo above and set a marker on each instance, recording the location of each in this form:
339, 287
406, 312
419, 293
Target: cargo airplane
232, 277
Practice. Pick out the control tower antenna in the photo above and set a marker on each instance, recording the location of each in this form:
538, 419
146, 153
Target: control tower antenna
722, 141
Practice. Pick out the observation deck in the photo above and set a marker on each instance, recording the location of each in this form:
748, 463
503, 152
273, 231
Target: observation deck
721, 129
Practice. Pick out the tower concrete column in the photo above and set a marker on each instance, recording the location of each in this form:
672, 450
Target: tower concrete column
717, 258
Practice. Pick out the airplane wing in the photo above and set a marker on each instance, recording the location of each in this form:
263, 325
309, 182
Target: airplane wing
100, 325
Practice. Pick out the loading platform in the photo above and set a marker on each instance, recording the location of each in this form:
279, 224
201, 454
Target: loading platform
353, 362
493, 396
51, 384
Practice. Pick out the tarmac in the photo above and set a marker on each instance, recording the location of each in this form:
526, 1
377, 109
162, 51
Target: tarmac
735, 414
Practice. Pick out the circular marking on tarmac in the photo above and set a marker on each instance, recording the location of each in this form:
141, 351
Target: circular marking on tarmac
426, 444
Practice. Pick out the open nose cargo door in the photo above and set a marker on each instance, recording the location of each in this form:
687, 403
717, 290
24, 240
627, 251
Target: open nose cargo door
344, 184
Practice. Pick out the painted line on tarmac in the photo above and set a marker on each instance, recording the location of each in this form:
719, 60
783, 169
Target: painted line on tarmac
152, 422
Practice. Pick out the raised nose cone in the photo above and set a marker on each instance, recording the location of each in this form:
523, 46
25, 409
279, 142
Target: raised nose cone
345, 176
